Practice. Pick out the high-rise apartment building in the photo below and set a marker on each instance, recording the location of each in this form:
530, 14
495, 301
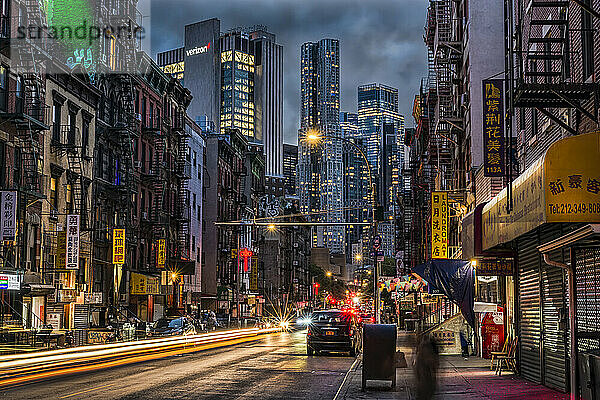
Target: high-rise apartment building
290, 165
357, 205
382, 128
236, 78
321, 167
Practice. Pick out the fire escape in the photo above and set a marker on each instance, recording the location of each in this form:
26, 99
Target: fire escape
153, 175
540, 60
444, 58
183, 173
28, 110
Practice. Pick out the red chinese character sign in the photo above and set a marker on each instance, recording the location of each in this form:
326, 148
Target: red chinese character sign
246, 254
493, 127
316, 285
439, 225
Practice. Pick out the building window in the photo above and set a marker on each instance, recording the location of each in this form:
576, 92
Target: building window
69, 198
53, 194
56, 117
72, 128
587, 41
3, 88
85, 136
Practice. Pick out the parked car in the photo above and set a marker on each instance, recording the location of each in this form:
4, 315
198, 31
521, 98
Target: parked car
334, 330
172, 326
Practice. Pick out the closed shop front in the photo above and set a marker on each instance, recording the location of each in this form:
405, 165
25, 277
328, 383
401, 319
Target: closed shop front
550, 203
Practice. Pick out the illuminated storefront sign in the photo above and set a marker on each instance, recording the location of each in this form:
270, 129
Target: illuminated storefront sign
493, 127
562, 186
142, 284
119, 246
197, 50
161, 255
497, 267
439, 225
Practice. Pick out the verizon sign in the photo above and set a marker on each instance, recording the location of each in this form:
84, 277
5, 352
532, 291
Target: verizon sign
197, 50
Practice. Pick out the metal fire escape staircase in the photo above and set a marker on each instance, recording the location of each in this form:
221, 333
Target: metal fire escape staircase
543, 76
183, 172
444, 57
155, 178
30, 110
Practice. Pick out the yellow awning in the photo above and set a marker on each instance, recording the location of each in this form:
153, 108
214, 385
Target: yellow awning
562, 186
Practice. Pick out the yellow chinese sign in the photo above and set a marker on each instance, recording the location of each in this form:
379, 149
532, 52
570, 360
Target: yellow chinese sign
493, 127
572, 179
142, 284
61, 251
254, 275
439, 225
119, 246
161, 254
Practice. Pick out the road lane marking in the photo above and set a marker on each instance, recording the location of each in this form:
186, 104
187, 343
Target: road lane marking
345, 377
85, 391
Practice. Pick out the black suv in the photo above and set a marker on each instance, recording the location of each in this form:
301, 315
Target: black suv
334, 330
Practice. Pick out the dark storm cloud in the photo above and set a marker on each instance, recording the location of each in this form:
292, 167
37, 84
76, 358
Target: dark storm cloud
380, 40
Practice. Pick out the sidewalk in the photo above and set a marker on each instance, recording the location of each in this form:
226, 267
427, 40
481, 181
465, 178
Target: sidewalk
457, 379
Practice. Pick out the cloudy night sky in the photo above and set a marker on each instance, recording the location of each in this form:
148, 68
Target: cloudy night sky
380, 40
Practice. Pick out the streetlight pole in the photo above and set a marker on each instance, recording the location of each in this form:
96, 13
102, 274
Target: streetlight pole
316, 137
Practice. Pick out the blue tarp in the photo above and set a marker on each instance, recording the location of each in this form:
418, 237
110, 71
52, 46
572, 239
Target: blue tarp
455, 279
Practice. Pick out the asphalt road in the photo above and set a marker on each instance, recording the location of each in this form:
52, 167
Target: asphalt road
273, 367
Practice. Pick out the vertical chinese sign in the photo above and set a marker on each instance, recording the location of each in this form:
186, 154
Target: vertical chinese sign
119, 246
493, 127
439, 225
161, 255
8, 215
254, 275
72, 242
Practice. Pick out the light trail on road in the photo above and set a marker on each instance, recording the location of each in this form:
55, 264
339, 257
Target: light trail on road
26, 368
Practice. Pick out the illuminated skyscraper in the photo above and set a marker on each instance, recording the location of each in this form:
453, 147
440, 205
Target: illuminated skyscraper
356, 184
320, 169
382, 128
236, 79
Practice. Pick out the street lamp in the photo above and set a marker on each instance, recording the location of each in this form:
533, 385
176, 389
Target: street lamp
328, 274
315, 137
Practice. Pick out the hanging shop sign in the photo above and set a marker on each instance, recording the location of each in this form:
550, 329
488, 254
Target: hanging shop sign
143, 284
10, 282
8, 215
562, 186
161, 256
493, 127
67, 296
495, 267
118, 246
92, 298
439, 225
254, 275
60, 260
72, 254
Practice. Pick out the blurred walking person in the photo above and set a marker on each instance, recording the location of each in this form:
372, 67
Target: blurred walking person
426, 365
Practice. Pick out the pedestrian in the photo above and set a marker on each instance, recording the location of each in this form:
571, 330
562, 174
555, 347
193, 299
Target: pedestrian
426, 365
464, 342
